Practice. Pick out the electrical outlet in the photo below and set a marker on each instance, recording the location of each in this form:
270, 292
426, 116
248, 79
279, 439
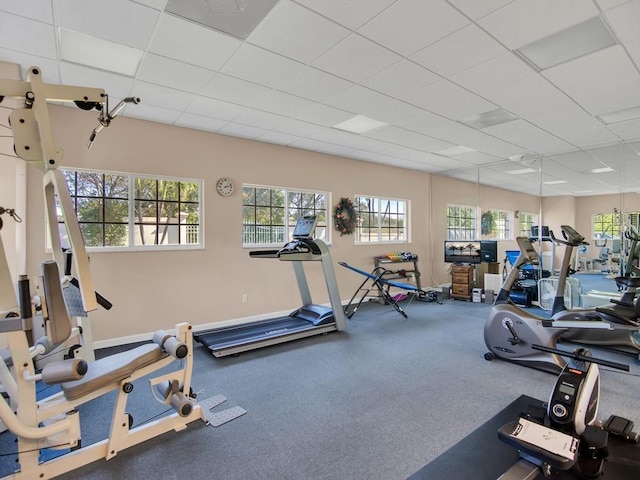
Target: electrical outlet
244, 298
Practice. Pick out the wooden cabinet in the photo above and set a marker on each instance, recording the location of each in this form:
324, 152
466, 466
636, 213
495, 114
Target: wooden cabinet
462, 281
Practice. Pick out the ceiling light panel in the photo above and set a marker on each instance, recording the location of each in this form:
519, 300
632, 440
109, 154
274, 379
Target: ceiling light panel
569, 44
234, 17
359, 124
98, 53
489, 119
525, 21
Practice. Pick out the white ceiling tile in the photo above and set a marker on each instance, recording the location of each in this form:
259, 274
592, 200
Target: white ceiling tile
300, 128
278, 138
625, 20
192, 43
210, 107
602, 82
475, 9
449, 100
159, 96
114, 85
407, 116
476, 158
28, 36
494, 73
577, 161
318, 146
351, 14
524, 21
118, 21
242, 131
152, 113
465, 48
358, 99
200, 122
628, 130
407, 138
634, 51
356, 58
314, 84
296, 32
576, 127
48, 66
36, 9
295, 107
609, 4
528, 136
400, 79
234, 90
157, 4
257, 118
260, 66
409, 25
172, 73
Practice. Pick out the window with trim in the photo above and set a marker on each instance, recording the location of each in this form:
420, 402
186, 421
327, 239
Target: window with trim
461, 223
381, 220
605, 225
120, 211
496, 224
269, 214
527, 220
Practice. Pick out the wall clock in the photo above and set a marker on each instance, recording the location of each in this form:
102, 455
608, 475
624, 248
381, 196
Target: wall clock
225, 187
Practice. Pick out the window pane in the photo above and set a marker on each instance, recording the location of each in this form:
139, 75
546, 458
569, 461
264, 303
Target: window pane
89, 210
116, 210
169, 212
146, 212
116, 235
92, 234
145, 189
89, 184
116, 186
189, 192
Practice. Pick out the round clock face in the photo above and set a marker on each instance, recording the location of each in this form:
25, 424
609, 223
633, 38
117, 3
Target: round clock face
224, 187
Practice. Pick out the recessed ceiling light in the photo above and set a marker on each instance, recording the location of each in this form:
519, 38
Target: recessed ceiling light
522, 171
456, 150
359, 124
619, 115
555, 182
602, 170
95, 52
568, 44
489, 119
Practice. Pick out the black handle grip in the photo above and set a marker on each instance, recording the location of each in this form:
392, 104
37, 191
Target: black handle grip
576, 355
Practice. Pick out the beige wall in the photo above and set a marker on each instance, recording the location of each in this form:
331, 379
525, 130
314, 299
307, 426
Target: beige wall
446, 191
152, 290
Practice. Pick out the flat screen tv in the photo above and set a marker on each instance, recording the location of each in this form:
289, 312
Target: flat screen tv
460, 251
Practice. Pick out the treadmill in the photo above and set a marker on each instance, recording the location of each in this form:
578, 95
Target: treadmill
310, 319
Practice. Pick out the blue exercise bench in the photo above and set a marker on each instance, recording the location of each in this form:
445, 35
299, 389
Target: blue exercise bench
376, 277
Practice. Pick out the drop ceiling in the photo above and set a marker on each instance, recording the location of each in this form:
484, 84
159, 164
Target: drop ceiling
448, 80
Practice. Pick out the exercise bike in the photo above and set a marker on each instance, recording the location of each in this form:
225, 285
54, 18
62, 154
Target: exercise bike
510, 331
566, 434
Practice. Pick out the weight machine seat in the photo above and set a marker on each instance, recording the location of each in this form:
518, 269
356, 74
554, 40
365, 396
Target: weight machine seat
620, 315
112, 369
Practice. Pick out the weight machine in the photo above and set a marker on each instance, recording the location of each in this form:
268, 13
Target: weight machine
54, 421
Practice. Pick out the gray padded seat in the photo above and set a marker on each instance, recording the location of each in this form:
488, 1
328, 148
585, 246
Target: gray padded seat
112, 369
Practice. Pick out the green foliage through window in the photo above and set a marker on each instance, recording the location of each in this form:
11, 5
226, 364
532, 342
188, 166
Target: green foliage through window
461, 223
269, 214
119, 210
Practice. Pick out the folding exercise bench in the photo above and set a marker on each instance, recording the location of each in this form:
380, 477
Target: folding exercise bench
376, 277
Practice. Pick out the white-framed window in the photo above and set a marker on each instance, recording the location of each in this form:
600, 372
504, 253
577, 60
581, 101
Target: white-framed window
381, 220
269, 214
527, 220
121, 211
496, 224
461, 222
605, 226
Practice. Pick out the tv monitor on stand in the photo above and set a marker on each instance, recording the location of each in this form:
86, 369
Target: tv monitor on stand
462, 251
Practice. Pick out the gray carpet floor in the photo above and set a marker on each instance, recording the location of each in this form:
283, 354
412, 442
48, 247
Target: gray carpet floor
379, 401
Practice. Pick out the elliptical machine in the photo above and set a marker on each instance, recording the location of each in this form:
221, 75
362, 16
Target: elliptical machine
510, 331
566, 434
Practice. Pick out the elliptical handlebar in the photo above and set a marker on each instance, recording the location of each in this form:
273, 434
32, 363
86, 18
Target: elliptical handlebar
578, 355
633, 236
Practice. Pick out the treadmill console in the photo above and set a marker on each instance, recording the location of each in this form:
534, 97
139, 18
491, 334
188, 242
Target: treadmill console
303, 234
572, 237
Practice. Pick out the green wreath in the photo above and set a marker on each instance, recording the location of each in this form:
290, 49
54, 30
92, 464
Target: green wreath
345, 217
